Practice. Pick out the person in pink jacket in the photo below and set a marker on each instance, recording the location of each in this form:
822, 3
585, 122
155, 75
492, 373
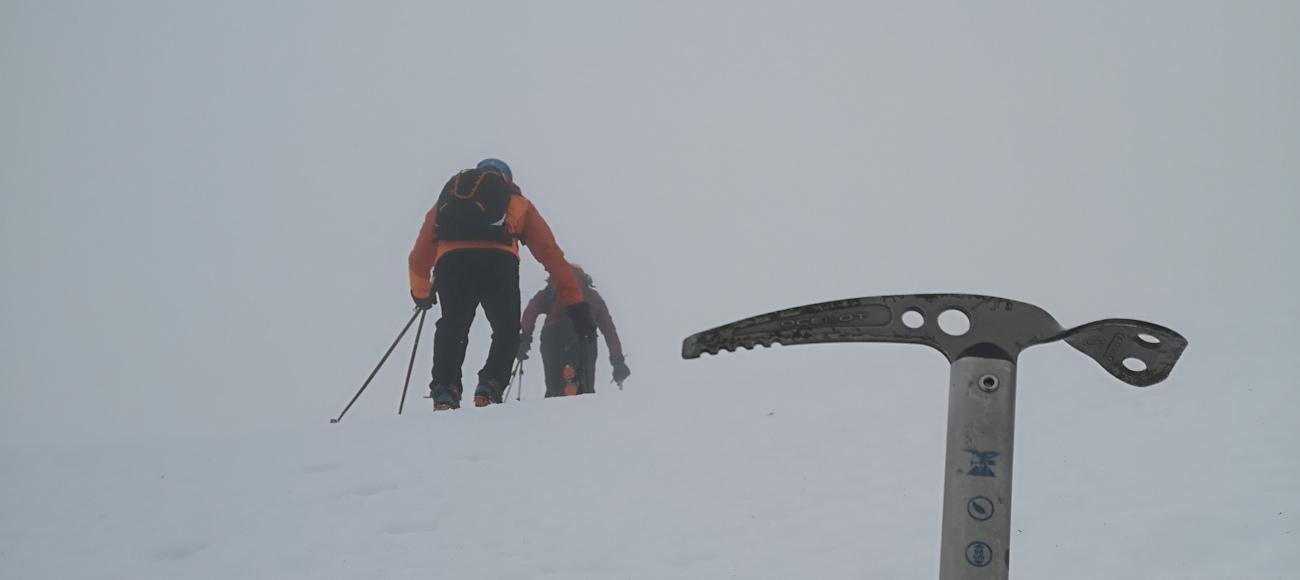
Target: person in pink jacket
561, 349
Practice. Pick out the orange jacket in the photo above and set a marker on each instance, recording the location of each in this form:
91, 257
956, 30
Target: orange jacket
523, 222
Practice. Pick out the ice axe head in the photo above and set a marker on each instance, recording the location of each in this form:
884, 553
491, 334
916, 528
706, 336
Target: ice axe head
1136, 352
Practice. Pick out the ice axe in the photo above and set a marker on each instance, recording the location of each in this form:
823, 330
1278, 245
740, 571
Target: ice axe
982, 386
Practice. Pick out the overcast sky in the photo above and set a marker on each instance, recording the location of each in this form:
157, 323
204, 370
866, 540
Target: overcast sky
206, 207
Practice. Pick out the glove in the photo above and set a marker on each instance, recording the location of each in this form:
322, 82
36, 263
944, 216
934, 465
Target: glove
525, 344
583, 325
426, 302
621, 372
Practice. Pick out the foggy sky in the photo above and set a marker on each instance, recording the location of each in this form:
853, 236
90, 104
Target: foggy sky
207, 207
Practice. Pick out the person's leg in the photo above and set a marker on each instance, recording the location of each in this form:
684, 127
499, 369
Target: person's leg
552, 368
458, 300
587, 384
555, 354
500, 298
570, 367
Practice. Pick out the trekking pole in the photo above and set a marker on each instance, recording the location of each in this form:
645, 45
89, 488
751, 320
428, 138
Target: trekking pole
376, 371
519, 391
505, 395
418, 329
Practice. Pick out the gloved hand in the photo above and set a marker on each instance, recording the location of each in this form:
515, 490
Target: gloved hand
525, 344
426, 302
583, 325
621, 372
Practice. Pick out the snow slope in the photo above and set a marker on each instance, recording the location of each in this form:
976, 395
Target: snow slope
206, 209
686, 481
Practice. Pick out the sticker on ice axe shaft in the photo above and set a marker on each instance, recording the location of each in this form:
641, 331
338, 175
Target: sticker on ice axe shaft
979, 554
983, 354
982, 463
980, 508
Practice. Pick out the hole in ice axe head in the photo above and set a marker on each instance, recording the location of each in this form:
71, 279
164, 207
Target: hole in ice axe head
954, 322
913, 318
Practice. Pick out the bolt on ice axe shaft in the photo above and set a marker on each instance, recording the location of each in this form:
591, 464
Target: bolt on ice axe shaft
378, 366
981, 397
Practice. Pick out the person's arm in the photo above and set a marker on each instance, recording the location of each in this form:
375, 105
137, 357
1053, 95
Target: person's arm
529, 320
536, 234
605, 322
420, 262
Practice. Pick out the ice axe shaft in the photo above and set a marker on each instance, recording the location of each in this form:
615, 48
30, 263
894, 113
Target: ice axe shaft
977, 482
981, 398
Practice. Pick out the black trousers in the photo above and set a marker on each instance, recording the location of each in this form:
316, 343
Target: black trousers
561, 347
467, 279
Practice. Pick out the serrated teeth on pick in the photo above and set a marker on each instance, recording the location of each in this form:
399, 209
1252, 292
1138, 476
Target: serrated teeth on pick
747, 344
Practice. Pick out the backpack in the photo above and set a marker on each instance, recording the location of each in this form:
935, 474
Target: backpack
472, 206
548, 293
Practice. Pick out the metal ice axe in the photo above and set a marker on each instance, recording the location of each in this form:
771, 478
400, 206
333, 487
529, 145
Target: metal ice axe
982, 388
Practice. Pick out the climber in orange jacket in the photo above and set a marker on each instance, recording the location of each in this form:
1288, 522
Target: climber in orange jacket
466, 255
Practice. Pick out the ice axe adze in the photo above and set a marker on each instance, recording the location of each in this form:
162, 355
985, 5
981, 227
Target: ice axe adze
982, 387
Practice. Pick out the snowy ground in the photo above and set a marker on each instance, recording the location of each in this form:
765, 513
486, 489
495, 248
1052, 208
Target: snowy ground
206, 210
686, 482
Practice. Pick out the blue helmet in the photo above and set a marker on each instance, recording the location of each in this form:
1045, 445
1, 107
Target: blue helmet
497, 165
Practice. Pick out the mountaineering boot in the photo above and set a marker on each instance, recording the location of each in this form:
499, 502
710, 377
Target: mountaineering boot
445, 396
570, 381
488, 392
